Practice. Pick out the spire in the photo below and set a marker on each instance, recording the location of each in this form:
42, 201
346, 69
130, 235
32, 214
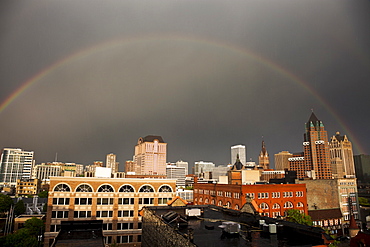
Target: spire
313, 118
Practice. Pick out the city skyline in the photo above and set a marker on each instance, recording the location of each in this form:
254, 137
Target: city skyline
85, 81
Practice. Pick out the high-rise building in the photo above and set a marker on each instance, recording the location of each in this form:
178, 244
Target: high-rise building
341, 157
263, 158
184, 164
15, 164
150, 155
131, 167
111, 162
238, 150
178, 173
43, 171
315, 162
362, 165
281, 160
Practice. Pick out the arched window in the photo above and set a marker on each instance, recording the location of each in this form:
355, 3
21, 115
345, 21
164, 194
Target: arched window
300, 205
276, 206
106, 188
264, 205
84, 188
146, 189
228, 204
62, 188
206, 201
219, 203
165, 188
236, 207
126, 188
213, 202
200, 200
288, 204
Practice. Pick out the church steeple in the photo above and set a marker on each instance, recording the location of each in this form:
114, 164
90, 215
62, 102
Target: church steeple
263, 158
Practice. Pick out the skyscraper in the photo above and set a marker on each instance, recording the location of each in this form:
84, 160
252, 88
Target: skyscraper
281, 160
263, 158
238, 149
362, 165
111, 162
15, 164
316, 149
150, 155
341, 157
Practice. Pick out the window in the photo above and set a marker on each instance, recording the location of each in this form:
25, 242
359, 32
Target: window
55, 228
105, 201
264, 205
163, 200
206, 192
124, 239
61, 201
236, 195
213, 202
59, 214
83, 201
250, 195
288, 194
165, 188
299, 193
276, 206
288, 205
107, 226
106, 188
263, 195
82, 214
275, 194
104, 214
126, 189
228, 204
84, 188
236, 207
126, 213
275, 214
108, 239
146, 189
62, 188
300, 205
126, 201
219, 193
146, 200
227, 194
125, 226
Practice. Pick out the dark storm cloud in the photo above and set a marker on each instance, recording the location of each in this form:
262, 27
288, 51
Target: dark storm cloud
177, 69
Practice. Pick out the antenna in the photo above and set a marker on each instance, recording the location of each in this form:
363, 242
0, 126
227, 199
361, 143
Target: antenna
56, 156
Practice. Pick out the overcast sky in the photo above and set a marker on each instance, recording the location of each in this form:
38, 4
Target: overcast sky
204, 75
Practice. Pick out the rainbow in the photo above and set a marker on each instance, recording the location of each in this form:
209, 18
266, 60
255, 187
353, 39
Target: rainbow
149, 38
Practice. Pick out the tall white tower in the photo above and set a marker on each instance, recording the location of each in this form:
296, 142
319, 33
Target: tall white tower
111, 162
238, 149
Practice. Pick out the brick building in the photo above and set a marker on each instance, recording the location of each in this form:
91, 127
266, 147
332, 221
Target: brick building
273, 199
116, 201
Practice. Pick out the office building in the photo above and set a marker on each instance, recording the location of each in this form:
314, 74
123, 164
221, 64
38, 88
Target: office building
281, 160
150, 155
116, 201
44, 171
341, 157
15, 164
111, 162
238, 150
178, 173
184, 164
202, 166
362, 165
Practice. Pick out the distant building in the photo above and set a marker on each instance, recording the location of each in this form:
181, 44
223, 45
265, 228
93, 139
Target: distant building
362, 165
272, 174
25, 187
341, 156
132, 167
116, 201
178, 173
184, 164
150, 155
15, 164
263, 158
281, 160
43, 171
202, 166
111, 162
315, 162
238, 150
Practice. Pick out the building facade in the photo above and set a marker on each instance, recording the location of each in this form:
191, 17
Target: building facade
341, 157
116, 201
271, 199
362, 166
178, 173
111, 162
150, 155
15, 164
238, 150
281, 160
44, 171
202, 166
27, 187
263, 158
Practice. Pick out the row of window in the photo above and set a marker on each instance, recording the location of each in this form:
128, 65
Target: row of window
277, 205
106, 226
87, 214
261, 195
109, 201
108, 188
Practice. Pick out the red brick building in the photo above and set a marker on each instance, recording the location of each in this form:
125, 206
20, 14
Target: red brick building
273, 199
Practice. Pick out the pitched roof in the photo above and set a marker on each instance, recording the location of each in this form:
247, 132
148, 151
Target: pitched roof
313, 118
325, 214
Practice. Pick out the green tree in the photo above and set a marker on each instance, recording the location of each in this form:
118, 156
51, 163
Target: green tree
293, 215
363, 201
5, 203
20, 239
43, 194
35, 226
19, 208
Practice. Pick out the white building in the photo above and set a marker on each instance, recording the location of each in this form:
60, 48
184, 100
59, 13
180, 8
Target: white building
184, 164
43, 171
111, 162
201, 166
15, 164
178, 173
238, 150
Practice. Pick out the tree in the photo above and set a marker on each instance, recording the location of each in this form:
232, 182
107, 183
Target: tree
293, 215
43, 194
5, 203
35, 226
19, 208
